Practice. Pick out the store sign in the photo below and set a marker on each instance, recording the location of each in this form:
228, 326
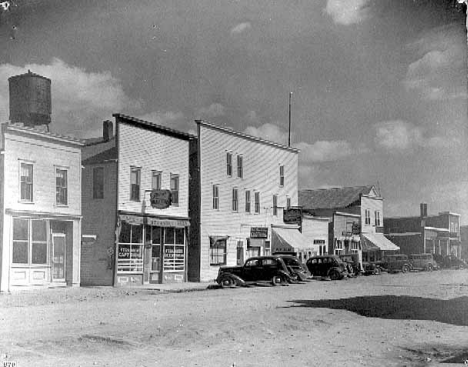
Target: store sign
259, 232
292, 215
160, 199
127, 252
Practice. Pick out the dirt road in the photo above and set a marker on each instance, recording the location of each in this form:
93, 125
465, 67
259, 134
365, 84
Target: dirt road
413, 319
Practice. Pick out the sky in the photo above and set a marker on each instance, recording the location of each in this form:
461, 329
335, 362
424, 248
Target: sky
379, 86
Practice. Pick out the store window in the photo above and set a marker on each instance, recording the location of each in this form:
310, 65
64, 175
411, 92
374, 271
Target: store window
275, 205
156, 180
130, 254
215, 197
247, 201
240, 166
229, 164
217, 251
235, 199
135, 180
26, 179
175, 189
257, 202
281, 176
153, 237
174, 249
29, 241
98, 183
61, 183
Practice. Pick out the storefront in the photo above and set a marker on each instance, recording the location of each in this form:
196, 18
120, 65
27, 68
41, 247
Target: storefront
375, 246
290, 240
151, 250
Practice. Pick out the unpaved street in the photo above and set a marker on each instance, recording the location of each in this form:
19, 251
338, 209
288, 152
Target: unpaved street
414, 319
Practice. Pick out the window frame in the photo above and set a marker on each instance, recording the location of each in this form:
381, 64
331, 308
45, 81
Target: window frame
98, 194
377, 218
155, 174
216, 255
257, 202
288, 202
275, 205
29, 184
30, 241
281, 175
248, 205
235, 199
215, 193
175, 178
367, 219
61, 192
240, 166
135, 190
229, 164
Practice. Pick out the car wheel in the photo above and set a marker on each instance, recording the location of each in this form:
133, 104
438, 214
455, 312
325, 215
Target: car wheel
277, 280
430, 267
227, 282
377, 271
335, 275
405, 268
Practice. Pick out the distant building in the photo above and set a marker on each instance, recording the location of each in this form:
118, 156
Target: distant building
438, 234
40, 215
464, 242
240, 186
135, 204
315, 229
356, 215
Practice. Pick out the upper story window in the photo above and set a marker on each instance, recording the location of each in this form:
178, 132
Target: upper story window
377, 218
175, 189
61, 185
229, 164
240, 166
135, 181
275, 205
281, 175
257, 202
156, 180
247, 201
235, 200
367, 217
98, 183
215, 197
288, 203
26, 180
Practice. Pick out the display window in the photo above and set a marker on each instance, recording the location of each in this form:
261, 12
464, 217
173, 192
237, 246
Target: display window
174, 249
130, 252
29, 242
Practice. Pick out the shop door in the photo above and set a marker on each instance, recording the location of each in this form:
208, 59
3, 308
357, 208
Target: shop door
58, 256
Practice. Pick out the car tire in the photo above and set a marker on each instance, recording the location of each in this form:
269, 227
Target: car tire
405, 268
429, 267
277, 280
227, 282
335, 275
377, 271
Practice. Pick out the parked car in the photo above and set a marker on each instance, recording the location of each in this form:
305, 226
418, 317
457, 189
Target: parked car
295, 266
371, 268
353, 265
327, 266
422, 262
270, 269
450, 262
396, 263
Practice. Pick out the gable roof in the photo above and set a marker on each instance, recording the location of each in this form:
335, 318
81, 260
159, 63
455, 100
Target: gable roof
340, 197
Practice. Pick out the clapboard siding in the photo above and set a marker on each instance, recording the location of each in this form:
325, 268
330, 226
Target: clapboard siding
151, 151
261, 173
372, 204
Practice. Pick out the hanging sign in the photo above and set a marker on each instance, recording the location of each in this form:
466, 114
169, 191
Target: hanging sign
259, 232
161, 199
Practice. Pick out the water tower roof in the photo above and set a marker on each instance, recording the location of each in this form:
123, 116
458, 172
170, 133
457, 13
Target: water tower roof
29, 73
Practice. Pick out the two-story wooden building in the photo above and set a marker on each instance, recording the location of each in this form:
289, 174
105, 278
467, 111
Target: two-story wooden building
356, 219
40, 208
437, 234
135, 204
241, 184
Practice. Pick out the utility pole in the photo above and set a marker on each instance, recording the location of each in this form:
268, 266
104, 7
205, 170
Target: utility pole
289, 130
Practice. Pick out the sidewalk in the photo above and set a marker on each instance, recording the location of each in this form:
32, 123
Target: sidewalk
178, 287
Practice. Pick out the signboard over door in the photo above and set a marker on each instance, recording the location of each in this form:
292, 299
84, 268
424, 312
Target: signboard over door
259, 232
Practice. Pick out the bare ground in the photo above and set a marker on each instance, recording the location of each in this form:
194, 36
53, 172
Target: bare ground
415, 319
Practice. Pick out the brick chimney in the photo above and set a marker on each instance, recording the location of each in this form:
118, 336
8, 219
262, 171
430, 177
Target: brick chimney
107, 130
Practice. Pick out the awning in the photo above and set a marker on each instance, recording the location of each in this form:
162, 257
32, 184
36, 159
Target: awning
376, 242
289, 238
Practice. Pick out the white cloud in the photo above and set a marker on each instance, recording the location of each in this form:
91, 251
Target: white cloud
401, 135
269, 132
214, 110
324, 151
241, 27
347, 12
80, 99
440, 71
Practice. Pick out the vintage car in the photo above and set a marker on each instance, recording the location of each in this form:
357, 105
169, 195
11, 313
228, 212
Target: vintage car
271, 269
396, 263
353, 265
450, 262
330, 266
371, 268
295, 266
422, 262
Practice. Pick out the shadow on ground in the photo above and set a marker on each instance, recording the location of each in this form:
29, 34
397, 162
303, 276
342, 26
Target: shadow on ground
453, 311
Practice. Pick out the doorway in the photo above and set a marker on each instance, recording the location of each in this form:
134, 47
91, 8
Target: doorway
58, 257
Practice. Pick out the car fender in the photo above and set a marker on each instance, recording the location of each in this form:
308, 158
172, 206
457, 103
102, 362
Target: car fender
285, 274
239, 281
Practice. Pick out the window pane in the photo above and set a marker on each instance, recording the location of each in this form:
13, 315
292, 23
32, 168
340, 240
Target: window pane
124, 232
61, 186
135, 184
169, 235
26, 179
175, 188
179, 236
137, 234
156, 181
20, 229
39, 230
20, 252
156, 235
39, 253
